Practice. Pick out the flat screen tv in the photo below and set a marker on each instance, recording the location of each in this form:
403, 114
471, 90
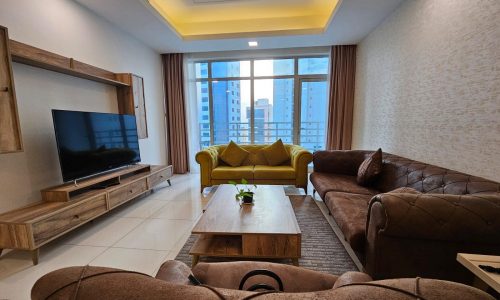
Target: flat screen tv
90, 143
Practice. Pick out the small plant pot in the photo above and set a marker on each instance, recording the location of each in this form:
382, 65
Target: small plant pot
248, 199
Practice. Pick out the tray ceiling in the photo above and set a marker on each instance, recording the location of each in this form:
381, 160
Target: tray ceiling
216, 19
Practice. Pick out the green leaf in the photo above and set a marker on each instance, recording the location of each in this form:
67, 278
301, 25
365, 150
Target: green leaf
232, 182
244, 181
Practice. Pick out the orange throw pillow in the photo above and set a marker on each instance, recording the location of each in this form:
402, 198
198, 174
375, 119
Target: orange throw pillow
233, 155
370, 168
276, 153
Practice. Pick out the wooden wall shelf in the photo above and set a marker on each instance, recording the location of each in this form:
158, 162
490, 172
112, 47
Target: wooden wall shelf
32, 226
37, 57
10, 130
129, 87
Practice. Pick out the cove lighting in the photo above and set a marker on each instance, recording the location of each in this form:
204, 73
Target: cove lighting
253, 44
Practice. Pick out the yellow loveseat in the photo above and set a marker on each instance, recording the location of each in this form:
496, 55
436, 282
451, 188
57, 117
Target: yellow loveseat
255, 169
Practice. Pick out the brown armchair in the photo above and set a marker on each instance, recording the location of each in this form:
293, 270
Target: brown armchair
223, 278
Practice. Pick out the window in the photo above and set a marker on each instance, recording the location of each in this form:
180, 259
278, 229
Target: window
313, 65
261, 100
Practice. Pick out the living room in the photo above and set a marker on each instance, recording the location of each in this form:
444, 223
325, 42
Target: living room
348, 147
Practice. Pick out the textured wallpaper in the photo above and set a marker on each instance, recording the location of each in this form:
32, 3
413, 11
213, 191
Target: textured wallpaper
428, 85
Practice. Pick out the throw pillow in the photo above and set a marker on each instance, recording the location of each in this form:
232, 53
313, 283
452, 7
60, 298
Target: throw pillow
370, 168
406, 190
233, 155
276, 153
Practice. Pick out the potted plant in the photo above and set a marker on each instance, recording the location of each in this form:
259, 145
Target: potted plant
243, 195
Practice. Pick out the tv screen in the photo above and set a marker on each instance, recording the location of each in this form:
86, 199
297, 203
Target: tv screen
89, 143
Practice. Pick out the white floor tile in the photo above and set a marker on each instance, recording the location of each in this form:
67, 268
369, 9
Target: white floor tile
18, 285
144, 261
155, 234
170, 256
180, 210
180, 243
102, 232
142, 208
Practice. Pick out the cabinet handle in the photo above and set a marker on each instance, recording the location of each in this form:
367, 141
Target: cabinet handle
161, 176
131, 191
137, 106
5, 89
76, 216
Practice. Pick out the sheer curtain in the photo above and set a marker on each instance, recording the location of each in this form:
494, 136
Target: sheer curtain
191, 112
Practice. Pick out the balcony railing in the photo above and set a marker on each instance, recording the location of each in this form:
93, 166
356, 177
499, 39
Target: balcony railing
311, 136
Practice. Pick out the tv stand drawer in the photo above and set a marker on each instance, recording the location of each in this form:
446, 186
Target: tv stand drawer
127, 192
160, 177
68, 219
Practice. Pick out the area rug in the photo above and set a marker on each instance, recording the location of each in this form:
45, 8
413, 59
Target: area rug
321, 249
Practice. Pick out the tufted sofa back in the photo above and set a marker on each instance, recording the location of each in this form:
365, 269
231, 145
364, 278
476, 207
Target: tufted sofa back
403, 172
255, 157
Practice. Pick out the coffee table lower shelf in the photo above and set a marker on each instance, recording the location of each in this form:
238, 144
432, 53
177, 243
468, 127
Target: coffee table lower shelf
269, 246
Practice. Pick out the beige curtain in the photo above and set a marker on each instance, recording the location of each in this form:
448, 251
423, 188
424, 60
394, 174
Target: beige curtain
178, 154
342, 75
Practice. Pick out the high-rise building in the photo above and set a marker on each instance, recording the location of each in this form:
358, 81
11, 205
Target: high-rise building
283, 108
263, 115
226, 105
313, 102
313, 115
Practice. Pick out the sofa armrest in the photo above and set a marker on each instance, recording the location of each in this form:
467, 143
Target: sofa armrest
175, 272
411, 235
300, 159
444, 217
208, 160
116, 284
345, 162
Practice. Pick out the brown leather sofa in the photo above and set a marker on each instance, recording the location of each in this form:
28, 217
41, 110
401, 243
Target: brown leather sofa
406, 235
223, 279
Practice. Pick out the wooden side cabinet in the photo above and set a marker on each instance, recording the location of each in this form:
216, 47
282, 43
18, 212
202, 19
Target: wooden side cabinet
67, 207
10, 133
131, 101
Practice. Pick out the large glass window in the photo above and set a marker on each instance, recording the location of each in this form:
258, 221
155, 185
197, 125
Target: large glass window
313, 96
230, 123
261, 100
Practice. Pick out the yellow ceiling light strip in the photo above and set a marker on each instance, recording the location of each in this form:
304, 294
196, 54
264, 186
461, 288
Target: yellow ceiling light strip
235, 19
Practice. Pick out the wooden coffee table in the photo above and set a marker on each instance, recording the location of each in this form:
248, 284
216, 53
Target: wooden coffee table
266, 229
483, 279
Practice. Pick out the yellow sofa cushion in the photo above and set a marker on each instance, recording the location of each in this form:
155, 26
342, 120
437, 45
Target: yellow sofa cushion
233, 173
233, 155
276, 153
273, 172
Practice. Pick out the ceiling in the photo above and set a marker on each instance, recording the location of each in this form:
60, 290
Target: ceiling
213, 19
352, 20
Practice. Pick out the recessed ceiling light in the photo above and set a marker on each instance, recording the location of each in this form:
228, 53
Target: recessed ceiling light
253, 44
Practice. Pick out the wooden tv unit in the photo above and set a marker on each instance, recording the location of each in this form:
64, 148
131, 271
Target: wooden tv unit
66, 207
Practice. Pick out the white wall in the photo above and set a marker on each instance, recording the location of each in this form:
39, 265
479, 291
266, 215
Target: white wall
66, 28
428, 85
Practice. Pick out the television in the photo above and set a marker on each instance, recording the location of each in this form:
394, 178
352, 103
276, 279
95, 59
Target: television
90, 143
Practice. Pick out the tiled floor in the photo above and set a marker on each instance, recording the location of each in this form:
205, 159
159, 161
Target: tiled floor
138, 236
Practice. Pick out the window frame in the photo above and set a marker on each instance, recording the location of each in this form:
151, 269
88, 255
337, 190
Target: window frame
296, 89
